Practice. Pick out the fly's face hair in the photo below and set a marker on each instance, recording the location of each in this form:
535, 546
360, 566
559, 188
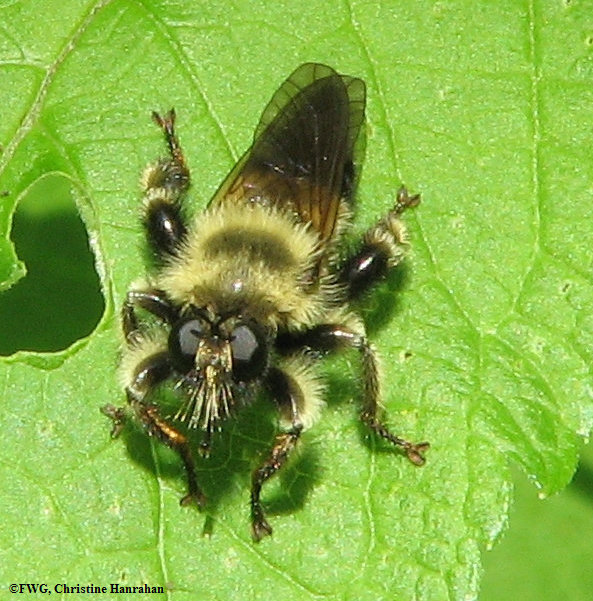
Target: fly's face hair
255, 290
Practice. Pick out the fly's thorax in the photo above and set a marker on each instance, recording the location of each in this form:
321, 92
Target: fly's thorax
249, 259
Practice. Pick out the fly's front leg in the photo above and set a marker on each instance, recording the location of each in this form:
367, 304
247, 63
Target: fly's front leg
167, 434
383, 247
152, 300
332, 337
151, 371
286, 387
284, 443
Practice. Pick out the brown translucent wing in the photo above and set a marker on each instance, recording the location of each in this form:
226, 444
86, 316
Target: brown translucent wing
302, 155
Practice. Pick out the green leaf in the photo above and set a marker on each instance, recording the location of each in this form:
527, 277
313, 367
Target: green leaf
540, 533
486, 335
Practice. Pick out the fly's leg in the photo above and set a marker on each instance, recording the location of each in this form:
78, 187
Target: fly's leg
331, 337
165, 184
284, 443
151, 371
369, 414
288, 393
150, 299
383, 247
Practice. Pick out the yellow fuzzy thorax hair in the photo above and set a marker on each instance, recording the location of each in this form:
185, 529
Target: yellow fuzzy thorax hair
253, 259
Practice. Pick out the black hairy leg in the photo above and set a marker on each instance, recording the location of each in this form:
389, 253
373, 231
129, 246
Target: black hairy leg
153, 300
381, 249
165, 184
331, 337
288, 395
149, 373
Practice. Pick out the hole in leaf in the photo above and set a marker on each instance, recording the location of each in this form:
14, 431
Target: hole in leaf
59, 300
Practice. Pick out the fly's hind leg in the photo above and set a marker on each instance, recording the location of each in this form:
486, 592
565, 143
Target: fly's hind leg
152, 370
165, 183
177, 162
383, 247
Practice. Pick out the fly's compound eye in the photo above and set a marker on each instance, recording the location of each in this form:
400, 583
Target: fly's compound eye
249, 350
184, 340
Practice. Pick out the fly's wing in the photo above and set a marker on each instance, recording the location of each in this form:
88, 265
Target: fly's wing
302, 155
